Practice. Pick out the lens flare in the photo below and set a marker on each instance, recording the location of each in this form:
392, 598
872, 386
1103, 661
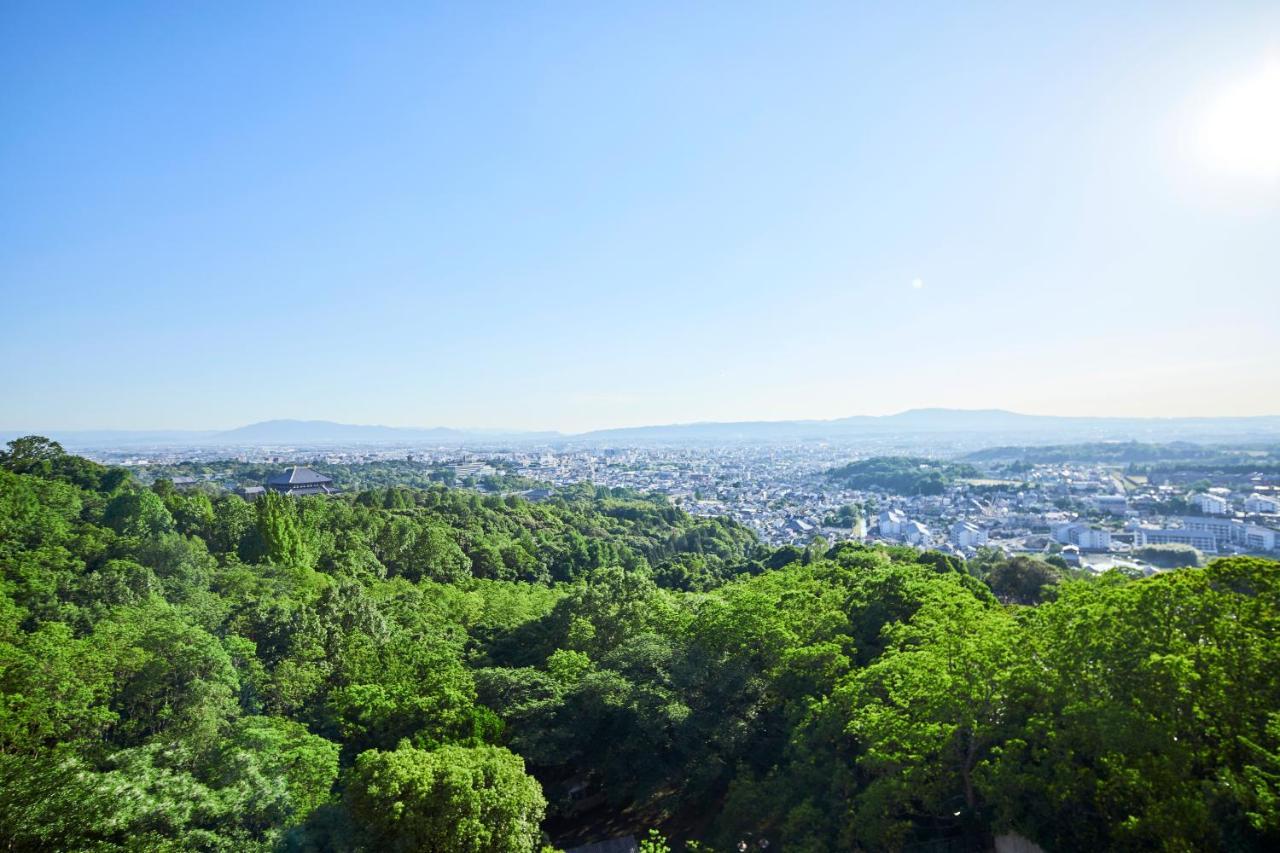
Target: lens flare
1240, 131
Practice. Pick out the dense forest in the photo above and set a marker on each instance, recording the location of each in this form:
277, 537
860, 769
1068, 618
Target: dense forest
434, 669
905, 475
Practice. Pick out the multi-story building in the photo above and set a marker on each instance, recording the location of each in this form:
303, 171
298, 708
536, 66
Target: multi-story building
1210, 504
1083, 536
1258, 538
1218, 528
1216, 534
1202, 540
1261, 503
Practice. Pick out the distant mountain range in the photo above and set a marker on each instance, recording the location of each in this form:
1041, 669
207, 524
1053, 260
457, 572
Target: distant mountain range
967, 425
313, 432
277, 433
998, 424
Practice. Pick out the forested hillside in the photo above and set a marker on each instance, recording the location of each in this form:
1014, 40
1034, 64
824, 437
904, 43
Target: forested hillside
431, 669
906, 475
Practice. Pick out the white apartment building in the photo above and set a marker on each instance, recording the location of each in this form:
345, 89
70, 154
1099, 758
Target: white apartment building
1210, 504
1201, 540
1261, 503
1222, 532
1258, 538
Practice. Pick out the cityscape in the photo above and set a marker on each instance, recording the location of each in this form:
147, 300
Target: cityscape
1089, 514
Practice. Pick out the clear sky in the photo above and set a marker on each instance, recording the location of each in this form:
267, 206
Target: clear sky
562, 215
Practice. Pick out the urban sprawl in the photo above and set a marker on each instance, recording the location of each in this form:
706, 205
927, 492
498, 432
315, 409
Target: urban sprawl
1091, 515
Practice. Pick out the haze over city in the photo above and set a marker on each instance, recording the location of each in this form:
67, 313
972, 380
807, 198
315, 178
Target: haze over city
584, 216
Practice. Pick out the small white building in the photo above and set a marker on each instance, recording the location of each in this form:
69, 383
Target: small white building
1083, 536
966, 534
891, 522
1114, 504
915, 533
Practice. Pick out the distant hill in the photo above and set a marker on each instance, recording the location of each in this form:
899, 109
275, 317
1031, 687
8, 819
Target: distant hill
329, 432
995, 425
275, 433
968, 427
907, 475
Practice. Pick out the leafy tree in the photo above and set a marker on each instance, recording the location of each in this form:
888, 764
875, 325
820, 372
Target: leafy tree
1022, 580
31, 454
138, 513
928, 714
278, 749
472, 799
1170, 556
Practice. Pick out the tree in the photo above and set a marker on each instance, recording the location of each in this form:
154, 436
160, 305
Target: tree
283, 750
928, 714
53, 689
436, 555
451, 800
175, 680
31, 453
138, 513
1022, 580
1170, 556
282, 537
1150, 702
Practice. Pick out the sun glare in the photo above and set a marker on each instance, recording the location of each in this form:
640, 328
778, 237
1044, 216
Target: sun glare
1240, 131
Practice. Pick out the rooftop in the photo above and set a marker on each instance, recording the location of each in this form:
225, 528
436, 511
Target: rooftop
298, 475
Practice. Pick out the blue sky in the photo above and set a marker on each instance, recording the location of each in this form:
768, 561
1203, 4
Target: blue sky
573, 216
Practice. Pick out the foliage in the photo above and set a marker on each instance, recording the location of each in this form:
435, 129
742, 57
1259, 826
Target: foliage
1170, 556
437, 669
474, 799
1023, 580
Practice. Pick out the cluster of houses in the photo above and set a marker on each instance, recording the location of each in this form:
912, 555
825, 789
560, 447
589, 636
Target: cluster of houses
965, 536
1077, 512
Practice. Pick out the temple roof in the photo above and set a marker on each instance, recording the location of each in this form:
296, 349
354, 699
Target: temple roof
298, 475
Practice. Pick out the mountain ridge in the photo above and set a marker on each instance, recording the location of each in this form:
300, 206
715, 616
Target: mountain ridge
921, 421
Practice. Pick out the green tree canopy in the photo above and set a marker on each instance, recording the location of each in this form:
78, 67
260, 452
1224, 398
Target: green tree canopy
453, 800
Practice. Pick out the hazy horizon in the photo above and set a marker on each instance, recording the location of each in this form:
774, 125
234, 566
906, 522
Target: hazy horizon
587, 217
53, 428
